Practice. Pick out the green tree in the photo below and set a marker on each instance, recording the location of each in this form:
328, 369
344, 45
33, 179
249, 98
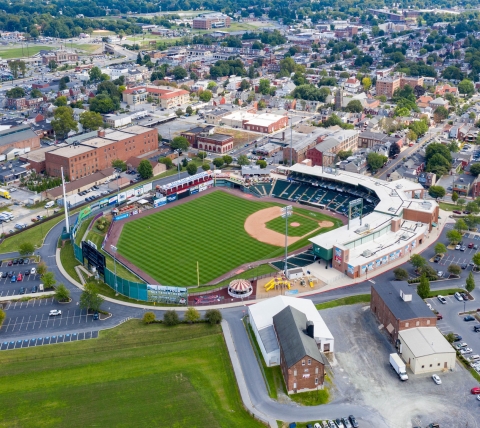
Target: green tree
471, 221
466, 87
192, 168
366, 82
36, 93
461, 202
179, 73
264, 86
440, 114
16, 93
202, 155
206, 166
192, 315
145, 169
211, 85
148, 318
454, 269
103, 103
476, 260
344, 154
90, 299
227, 159
170, 318
179, 112
205, 96
261, 105
472, 207
261, 163
189, 110
213, 316
60, 101
52, 65
423, 289
375, 161
475, 169
436, 191
454, 197
354, 106
41, 268
91, 120
3, 315
166, 161
440, 248
470, 283
243, 160
62, 293
244, 85
417, 261
26, 248
48, 279
450, 337
460, 225
119, 164
63, 121
454, 237
218, 162
95, 74
400, 274
180, 143
62, 85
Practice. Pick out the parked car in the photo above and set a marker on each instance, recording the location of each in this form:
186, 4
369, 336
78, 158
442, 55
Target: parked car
476, 328
439, 317
26, 261
27, 272
54, 312
440, 273
33, 271
353, 421
470, 245
463, 248
458, 297
346, 423
437, 258
469, 318
457, 212
457, 247
22, 290
464, 296
4, 274
457, 337
475, 390
437, 379
19, 277
464, 266
465, 351
15, 261
442, 299
96, 316
13, 278
34, 289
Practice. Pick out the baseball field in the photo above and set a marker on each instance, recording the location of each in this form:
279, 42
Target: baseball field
210, 230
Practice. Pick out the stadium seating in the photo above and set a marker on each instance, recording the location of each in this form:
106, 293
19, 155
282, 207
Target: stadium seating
279, 188
300, 260
267, 188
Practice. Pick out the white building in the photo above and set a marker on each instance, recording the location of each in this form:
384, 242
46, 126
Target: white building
425, 349
261, 319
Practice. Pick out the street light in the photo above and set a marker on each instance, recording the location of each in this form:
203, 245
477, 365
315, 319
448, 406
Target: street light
178, 162
114, 249
286, 212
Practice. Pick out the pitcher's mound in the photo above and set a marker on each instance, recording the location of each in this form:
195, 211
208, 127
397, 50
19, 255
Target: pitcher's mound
295, 224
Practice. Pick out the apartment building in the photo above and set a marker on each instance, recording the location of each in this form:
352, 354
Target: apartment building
386, 85
165, 96
207, 21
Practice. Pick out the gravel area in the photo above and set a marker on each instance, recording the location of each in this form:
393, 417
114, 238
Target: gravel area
363, 376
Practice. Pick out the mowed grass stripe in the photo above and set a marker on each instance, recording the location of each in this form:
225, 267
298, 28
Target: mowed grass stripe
306, 225
210, 230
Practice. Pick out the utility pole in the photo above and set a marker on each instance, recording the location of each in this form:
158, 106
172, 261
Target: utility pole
286, 212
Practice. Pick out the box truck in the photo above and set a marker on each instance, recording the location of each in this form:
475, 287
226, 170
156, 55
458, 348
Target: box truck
5, 194
399, 366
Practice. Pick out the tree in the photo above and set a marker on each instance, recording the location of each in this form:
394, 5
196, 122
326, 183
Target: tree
179, 73
145, 169
466, 87
475, 169
62, 293
148, 318
95, 74
264, 86
261, 105
472, 207
436, 191
354, 106
62, 85
417, 261
454, 237
103, 103
244, 85
179, 112
189, 110
170, 318
16, 92
119, 164
227, 159
261, 163
48, 279
454, 197
36, 93
63, 121
450, 337
344, 154
192, 168
205, 96
26, 248
211, 85
213, 316
393, 150
192, 315
60, 101
90, 299
3, 315
440, 114
454, 269
400, 274
440, 248
52, 65
243, 160
366, 83
202, 155
41, 268
471, 221
218, 162
476, 260
375, 161
423, 289
206, 167
460, 225
461, 202
166, 161
91, 120
180, 143
470, 283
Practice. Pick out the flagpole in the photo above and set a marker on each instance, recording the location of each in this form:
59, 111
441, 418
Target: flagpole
198, 275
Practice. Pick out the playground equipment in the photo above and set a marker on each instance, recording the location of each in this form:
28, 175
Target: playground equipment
280, 281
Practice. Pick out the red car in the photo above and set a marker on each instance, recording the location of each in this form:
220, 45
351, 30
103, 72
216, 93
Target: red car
457, 212
475, 390
439, 317
470, 245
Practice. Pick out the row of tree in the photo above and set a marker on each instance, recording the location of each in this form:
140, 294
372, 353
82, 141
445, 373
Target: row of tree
191, 316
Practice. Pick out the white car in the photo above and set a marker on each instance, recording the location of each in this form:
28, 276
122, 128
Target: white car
33, 271
437, 379
461, 345
458, 297
440, 273
478, 397
54, 312
465, 351
458, 247
442, 299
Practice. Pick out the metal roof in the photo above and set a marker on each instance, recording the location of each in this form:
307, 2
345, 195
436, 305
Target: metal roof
16, 134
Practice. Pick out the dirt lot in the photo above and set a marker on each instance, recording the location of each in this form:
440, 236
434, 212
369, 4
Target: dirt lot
239, 137
363, 376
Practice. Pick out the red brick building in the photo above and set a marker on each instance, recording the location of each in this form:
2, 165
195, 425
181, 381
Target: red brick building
207, 21
398, 308
19, 137
217, 143
302, 364
95, 154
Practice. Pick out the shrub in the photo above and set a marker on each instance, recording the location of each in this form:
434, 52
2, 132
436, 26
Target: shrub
171, 318
213, 316
148, 317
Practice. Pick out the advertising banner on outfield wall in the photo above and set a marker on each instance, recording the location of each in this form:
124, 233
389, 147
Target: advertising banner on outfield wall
147, 187
138, 191
122, 197
130, 193
171, 198
84, 213
167, 294
159, 202
193, 190
103, 203
121, 217
112, 200
205, 186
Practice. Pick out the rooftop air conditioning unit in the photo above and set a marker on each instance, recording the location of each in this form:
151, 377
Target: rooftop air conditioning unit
398, 186
404, 237
367, 253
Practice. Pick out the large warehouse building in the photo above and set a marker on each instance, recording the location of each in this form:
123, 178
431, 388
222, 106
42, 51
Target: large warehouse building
261, 320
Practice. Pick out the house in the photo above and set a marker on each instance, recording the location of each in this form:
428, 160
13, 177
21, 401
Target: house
424, 101
438, 102
133, 163
352, 85
301, 363
445, 89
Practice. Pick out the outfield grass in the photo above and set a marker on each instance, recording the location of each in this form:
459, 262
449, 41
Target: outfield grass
210, 230
306, 225
133, 375
351, 300
247, 274
14, 52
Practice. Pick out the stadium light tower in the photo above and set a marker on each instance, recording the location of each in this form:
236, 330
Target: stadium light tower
114, 249
286, 212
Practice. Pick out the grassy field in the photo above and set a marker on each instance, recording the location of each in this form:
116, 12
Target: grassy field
69, 261
18, 52
449, 207
247, 274
87, 47
133, 375
351, 300
306, 225
209, 230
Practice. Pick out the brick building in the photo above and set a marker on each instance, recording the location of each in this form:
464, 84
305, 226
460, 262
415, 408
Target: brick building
302, 364
388, 84
60, 57
340, 141
19, 137
397, 308
192, 134
217, 143
369, 139
97, 152
207, 21
165, 96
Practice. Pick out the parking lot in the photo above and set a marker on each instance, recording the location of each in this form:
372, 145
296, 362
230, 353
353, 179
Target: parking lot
362, 375
48, 340
459, 257
9, 288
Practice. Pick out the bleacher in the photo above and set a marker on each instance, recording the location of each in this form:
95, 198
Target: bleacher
267, 187
256, 191
279, 188
299, 192
308, 194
